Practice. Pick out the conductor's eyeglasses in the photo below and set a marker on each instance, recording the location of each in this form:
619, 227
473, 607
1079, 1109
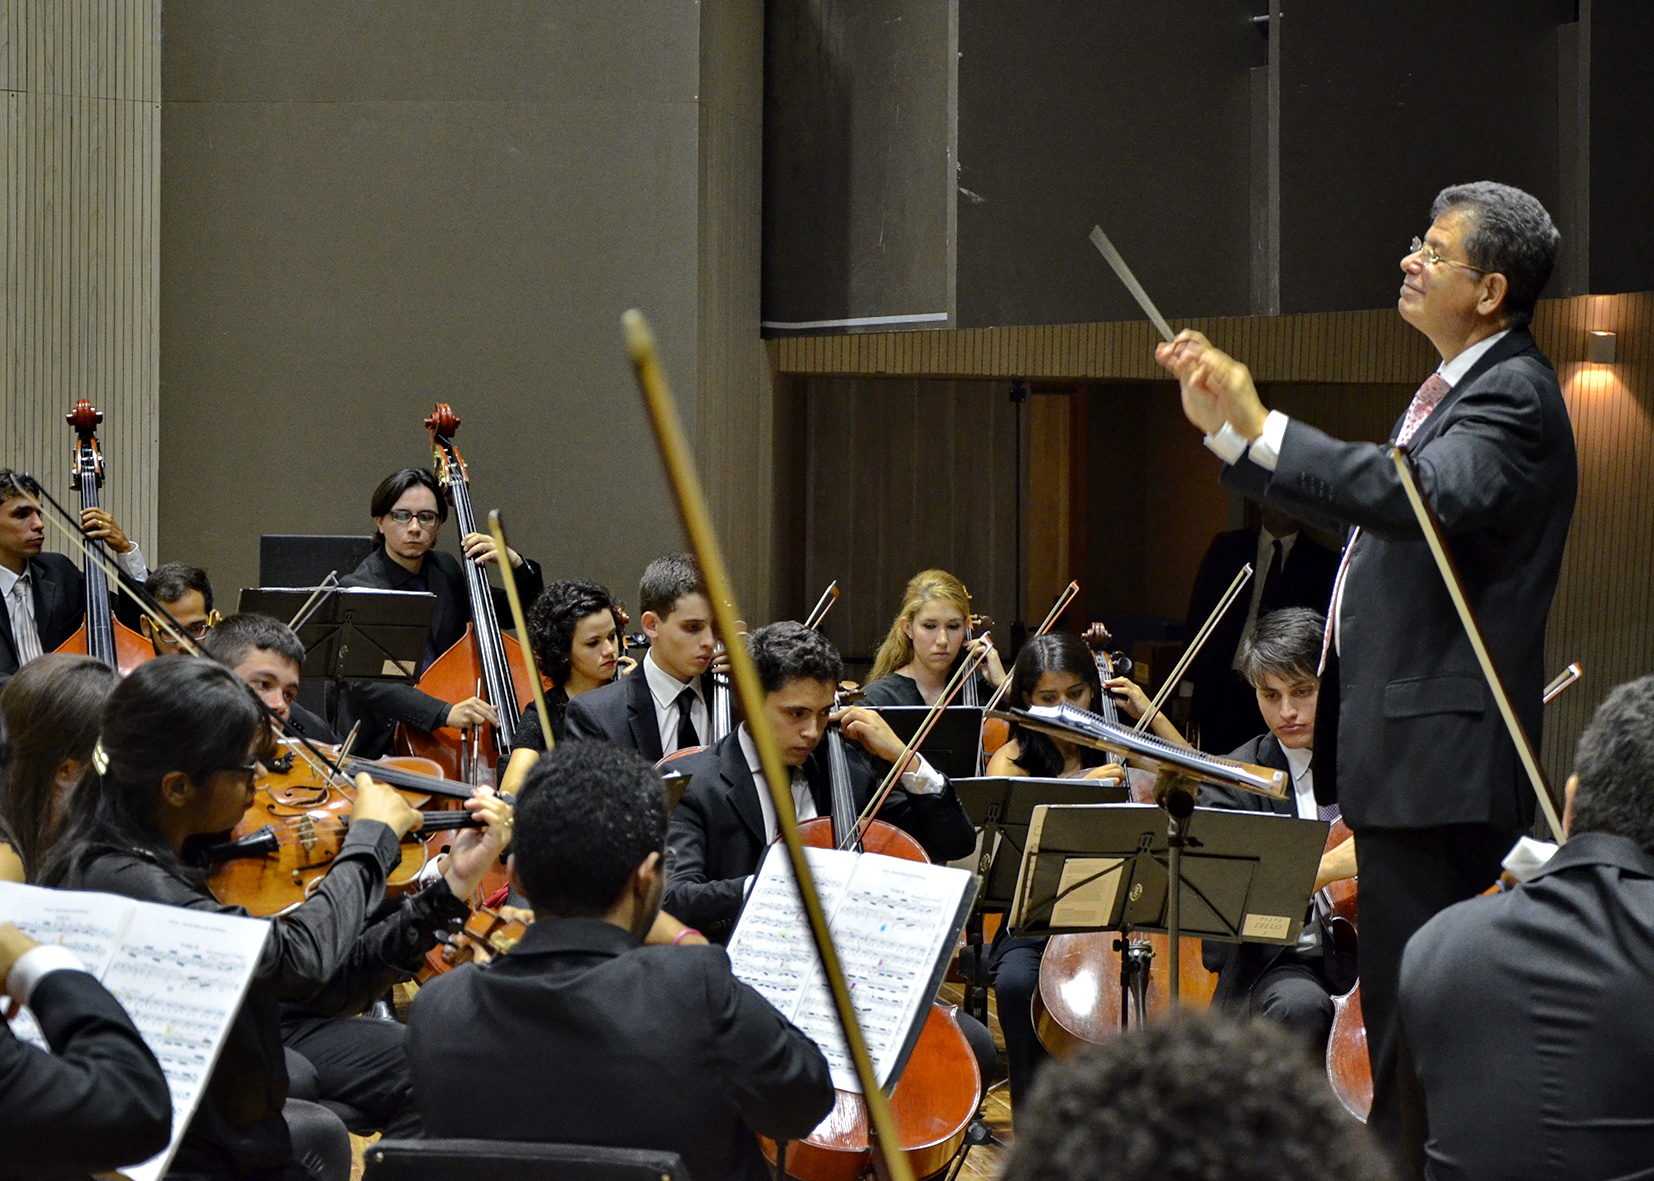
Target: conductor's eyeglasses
402, 516
1431, 258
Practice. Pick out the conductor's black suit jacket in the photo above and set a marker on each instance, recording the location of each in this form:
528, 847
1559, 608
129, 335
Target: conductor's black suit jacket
1419, 740
716, 836
1525, 1014
97, 1102
582, 1035
621, 712
59, 595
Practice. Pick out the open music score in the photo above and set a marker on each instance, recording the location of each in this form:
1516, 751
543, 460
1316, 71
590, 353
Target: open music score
180, 974
894, 923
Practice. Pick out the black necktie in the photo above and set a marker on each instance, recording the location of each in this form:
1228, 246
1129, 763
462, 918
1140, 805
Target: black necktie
1270, 597
686, 720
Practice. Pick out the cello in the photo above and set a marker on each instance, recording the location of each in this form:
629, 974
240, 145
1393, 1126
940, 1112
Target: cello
940, 1090
484, 656
996, 732
1091, 986
100, 634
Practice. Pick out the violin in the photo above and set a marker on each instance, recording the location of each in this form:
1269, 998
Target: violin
290, 835
486, 933
100, 634
484, 656
940, 1089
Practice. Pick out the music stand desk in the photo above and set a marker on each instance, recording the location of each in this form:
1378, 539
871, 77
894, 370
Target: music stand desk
1001, 806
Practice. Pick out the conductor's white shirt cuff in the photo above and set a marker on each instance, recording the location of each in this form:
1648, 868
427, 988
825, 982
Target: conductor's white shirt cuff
35, 965
1228, 444
1266, 448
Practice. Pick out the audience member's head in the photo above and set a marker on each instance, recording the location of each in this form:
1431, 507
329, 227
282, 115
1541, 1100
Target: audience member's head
1190, 1100
589, 835
1613, 786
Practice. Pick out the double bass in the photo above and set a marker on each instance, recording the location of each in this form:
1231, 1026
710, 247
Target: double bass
484, 658
941, 1088
100, 634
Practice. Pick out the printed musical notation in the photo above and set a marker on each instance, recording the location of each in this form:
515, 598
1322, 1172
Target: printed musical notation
180, 974
893, 923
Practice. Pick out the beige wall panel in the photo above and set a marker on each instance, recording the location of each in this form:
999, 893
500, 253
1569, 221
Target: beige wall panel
79, 193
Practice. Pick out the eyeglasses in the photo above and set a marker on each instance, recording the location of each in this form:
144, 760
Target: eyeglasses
199, 629
1431, 258
402, 516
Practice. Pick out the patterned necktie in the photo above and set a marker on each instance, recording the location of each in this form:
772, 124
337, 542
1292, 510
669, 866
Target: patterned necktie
1327, 812
1429, 395
25, 633
687, 736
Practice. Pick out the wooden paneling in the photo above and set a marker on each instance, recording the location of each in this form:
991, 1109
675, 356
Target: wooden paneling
79, 171
1349, 373
901, 476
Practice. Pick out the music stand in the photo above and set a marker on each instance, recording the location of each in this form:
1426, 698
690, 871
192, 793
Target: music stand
353, 633
953, 745
1245, 876
1000, 808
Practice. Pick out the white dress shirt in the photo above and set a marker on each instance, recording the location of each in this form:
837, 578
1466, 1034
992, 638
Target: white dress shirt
34, 965
665, 689
131, 563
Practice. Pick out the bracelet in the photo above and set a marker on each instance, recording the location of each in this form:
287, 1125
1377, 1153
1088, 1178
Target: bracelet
678, 938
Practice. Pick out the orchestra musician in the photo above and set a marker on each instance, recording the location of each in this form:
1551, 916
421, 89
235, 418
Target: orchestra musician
725, 822
408, 509
612, 1026
175, 764
1522, 1012
1292, 986
575, 629
925, 643
43, 592
1426, 774
186, 593
269, 657
665, 706
52, 709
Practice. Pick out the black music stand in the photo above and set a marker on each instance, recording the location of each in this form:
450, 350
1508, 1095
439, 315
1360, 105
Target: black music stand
1000, 808
352, 633
1244, 876
953, 745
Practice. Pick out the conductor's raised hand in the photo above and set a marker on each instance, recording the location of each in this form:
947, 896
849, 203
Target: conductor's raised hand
874, 733
1216, 388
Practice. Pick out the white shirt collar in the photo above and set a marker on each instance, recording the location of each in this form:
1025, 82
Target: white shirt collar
804, 802
8, 580
663, 686
1303, 781
1452, 372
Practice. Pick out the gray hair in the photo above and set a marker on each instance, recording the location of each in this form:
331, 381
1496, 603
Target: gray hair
1511, 234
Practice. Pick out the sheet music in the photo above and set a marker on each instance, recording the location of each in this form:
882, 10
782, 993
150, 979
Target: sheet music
890, 920
180, 974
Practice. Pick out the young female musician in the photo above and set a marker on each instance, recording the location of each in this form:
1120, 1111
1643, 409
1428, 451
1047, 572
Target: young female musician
408, 510
925, 642
52, 708
1051, 670
175, 764
575, 629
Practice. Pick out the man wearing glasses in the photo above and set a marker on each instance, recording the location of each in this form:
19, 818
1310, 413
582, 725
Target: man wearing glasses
408, 509
186, 593
1425, 772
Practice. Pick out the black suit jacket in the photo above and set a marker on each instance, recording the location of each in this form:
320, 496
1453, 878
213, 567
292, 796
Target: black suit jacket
1224, 705
59, 594
97, 1102
1496, 461
621, 712
1524, 1016
605, 1041
716, 836
381, 704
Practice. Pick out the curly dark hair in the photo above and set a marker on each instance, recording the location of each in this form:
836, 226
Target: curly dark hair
787, 650
1511, 234
554, 616
1189, 1100
1615, 765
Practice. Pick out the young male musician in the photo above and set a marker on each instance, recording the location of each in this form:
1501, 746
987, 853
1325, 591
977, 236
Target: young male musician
44, 593
1523, 1012
1291, 985
602, 1026
725, 821
665, 705
267, 654
186, 593
1427, 775
408, 509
